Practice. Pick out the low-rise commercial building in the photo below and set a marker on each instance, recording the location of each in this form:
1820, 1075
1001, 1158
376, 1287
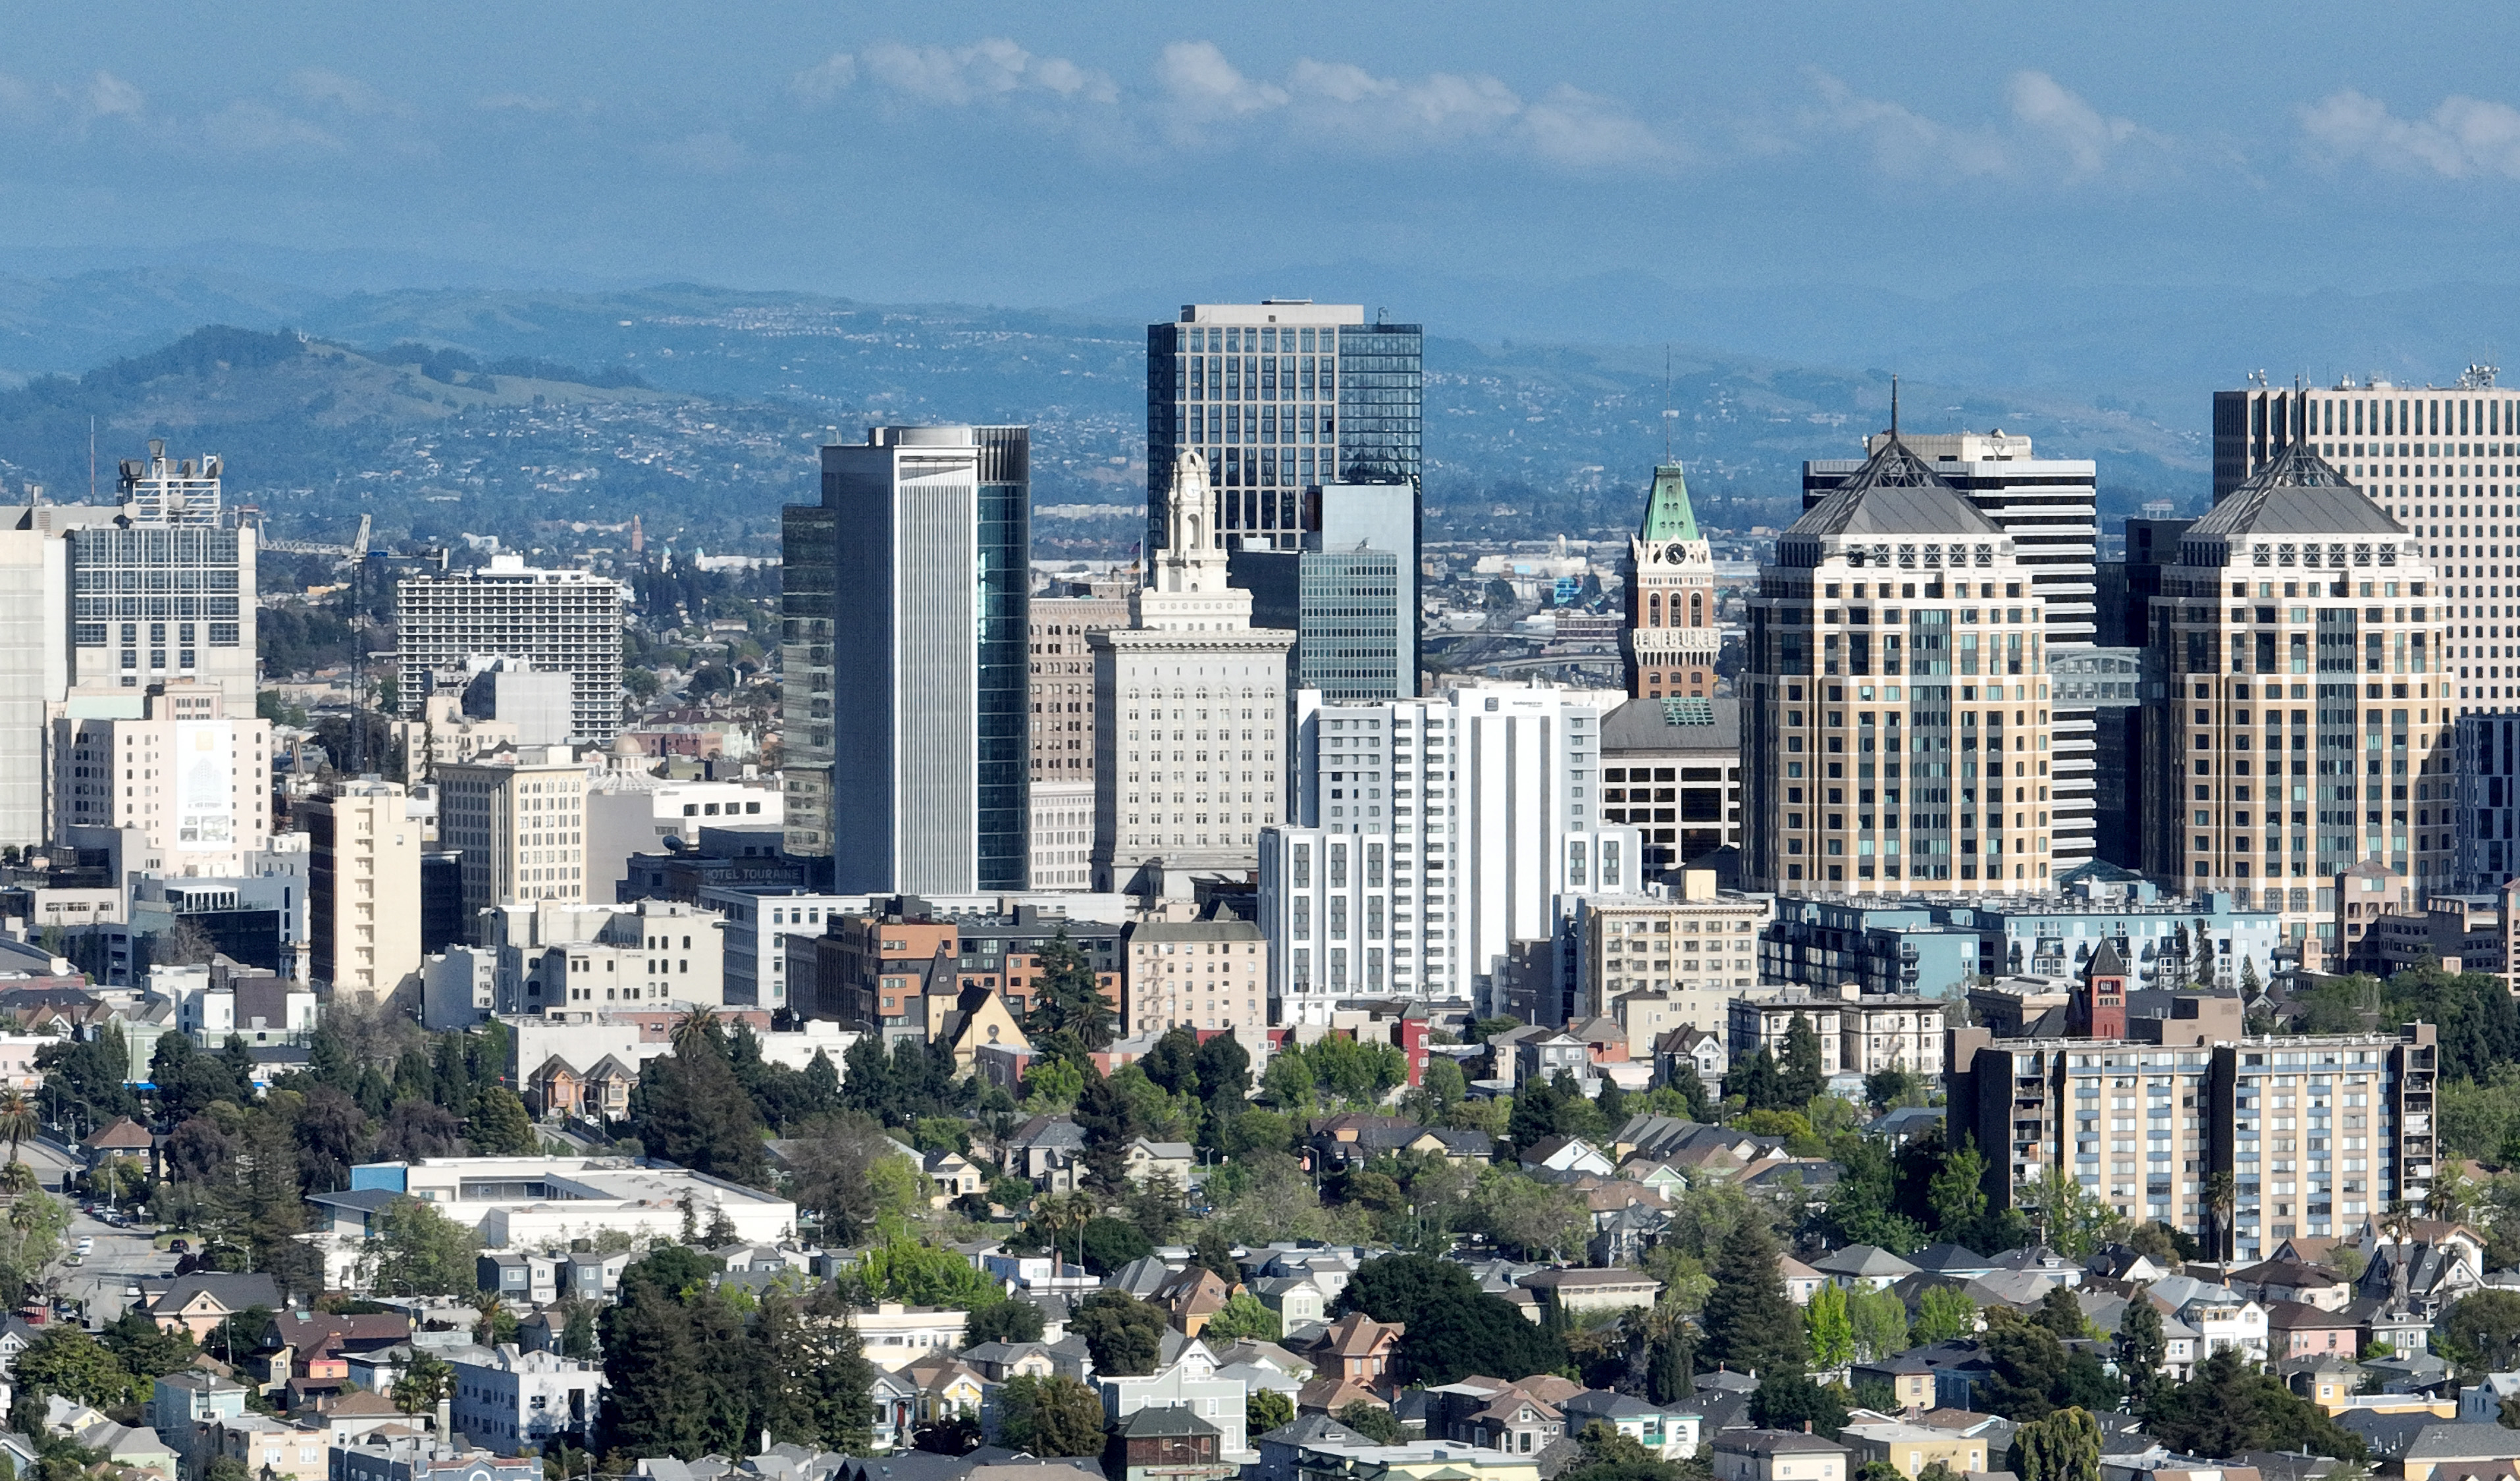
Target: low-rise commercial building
1858, 1035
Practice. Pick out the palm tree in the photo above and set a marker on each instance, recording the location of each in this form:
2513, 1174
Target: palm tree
692, 1029
2222, 1196
2396, 1225
1058, 1216
17, 1119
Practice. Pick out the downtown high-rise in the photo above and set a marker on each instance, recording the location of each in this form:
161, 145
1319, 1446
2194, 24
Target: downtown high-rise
904, 608
1280, 398
1899, 728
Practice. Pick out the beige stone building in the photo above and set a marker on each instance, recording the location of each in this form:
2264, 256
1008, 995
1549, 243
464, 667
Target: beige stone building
1695, 940
1189, 702
1211, 973
1897, 701
363, 888
520, 819
1858, 1035
2309, 722
444, 734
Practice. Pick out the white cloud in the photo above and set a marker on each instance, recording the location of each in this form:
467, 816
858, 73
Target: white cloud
2465, 136
825, 80
1356, 108
2051, 132
2091, 140
109, 96
1199, 79
989, 69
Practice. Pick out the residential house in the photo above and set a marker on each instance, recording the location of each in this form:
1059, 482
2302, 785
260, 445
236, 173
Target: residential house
1188, 1382
1296, 1300
1191, 1296
1802, 1281
1046, 1151
1909, 1378
2271, 1281
1778, 1455
182, 1403
509, 1399
1572, 1291
1669, 1431
896, 1410
1563, 1159
894, 1336
1352, 1357
2298, 1330
1690, 1051
947, 1387
1144, 1159
1864, 1267
195, 1304
999, 1361
951, 1175
1910, 1447
1168, 1444
269, 1449
2453, 1451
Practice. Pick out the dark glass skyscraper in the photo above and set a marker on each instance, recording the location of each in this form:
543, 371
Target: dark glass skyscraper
905, 610
1280, 397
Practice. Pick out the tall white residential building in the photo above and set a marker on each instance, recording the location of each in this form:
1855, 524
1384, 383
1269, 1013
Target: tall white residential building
34, 658
1189, 700
188, 777
1062, 834
568, 621
1433, 836
519, 818
363, 888
2049, 507
903, 671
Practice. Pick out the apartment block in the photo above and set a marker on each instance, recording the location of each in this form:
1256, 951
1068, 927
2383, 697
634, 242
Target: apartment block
564, 621
1061, 675
181, 771
1205, 975
758, 920
519, 819
2049, 505
444, 734
2320, 1132
1693, 939
1858, 1035
363, 888
1061, 836
1436, 838
2301, 634
1899, 719
557, 956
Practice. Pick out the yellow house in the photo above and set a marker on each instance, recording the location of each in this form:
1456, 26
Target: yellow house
1910, 1448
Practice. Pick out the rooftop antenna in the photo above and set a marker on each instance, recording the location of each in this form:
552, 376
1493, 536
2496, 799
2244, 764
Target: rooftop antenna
91, 458
1670, 414
1893, 408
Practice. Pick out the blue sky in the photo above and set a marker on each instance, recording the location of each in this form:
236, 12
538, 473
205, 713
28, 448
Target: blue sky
1048, 155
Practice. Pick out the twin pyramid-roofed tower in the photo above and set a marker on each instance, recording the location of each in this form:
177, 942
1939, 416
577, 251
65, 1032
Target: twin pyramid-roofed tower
1896, 697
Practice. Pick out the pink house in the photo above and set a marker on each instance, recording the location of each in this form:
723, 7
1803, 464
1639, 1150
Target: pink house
2298, 1330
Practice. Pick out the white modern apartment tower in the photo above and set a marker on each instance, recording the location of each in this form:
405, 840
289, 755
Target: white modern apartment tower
568, 621
1431, 837
1189, 700
2049, 507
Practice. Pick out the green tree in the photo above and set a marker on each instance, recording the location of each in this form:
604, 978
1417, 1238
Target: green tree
689, 1110
1749, 1321
1606, 1455
1828, 1328
2029, 1366
1790, 1401
498, 1126
1879, 1322
2064, 1446
1016, 1321
1110, 1243
1799, 1073
2481, 1332
65, 1361
2141, 1347
145, 1349
418, 1251
1957, 1193
1242, 1317
1374, 1421
1124, 1334
1756, 1080
2061, 1314
1068, 1000
1109, 1120
1266, 1410
1050, 1417
2229, 1407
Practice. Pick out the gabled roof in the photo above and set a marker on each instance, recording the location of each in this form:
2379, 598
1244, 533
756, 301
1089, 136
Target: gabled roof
1312, 1430
1864, 1262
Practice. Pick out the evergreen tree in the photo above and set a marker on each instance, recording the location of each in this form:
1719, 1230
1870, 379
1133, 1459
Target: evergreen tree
2141, 1347
1799, 1076
1958, 1195
1109, 1120
498, 1126
1124, 1334
689, 1111
1667, 1373
1756, 1080
1067, 1001
1750, 1326
1050, 1417
2064, 1446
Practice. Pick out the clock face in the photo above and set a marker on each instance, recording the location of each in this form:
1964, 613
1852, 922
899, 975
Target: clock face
1671, 552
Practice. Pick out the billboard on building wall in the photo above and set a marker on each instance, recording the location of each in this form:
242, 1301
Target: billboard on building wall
205, 786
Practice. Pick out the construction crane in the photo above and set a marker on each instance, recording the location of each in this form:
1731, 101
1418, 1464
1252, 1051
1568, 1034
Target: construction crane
357, 550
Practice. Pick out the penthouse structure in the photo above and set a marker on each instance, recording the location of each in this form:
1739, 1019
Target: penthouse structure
565, 621
1898, 735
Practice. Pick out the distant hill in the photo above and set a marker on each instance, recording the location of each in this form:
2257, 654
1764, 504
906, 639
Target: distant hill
420, 407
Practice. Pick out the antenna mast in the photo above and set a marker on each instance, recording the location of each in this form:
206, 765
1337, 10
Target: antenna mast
1670, 412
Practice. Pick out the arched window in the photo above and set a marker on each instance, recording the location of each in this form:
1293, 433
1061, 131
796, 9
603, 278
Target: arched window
1696, 609
1654, 611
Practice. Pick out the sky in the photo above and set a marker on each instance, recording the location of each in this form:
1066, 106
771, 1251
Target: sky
1108, 154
